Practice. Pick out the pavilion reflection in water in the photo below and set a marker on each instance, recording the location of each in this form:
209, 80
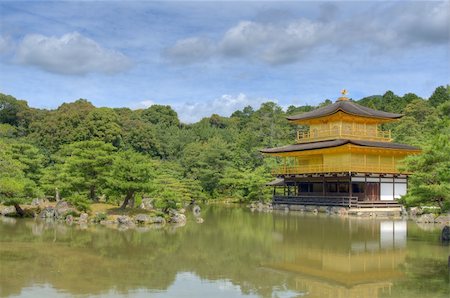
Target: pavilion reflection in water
363, 262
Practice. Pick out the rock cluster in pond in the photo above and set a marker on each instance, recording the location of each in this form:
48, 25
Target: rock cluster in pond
63, 211
8, 211
431, 218
260, 207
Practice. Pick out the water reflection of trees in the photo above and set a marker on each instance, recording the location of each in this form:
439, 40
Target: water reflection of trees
232, 244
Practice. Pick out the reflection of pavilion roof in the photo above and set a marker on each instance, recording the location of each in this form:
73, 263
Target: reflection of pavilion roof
317, 288
346, 106
353, 272
336, 143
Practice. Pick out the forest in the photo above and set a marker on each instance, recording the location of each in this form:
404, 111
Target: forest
86, 154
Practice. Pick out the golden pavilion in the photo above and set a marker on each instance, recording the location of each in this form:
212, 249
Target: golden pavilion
343, 158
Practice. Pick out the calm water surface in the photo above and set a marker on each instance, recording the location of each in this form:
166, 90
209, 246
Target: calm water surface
234, 253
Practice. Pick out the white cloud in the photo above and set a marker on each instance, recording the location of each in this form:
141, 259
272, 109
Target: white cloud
387, 29
145, 104
72, 54
190, 50
224, 105
5, 44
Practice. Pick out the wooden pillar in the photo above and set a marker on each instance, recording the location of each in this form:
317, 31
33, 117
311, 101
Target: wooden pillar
365, 187
323, 186
393, 187
350, 185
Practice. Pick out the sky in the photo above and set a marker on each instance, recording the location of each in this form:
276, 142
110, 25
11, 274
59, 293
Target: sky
217, 57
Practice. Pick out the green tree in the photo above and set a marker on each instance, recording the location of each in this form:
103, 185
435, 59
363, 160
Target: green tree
430, 181
86, 165
162, 115
62, 126
11, 109
440, 95
31, 158
12, 192
131, 173
102, 124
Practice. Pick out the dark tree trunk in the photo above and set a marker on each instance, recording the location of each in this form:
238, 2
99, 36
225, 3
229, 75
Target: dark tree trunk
19, 210
131, 202
92, 193
129, 196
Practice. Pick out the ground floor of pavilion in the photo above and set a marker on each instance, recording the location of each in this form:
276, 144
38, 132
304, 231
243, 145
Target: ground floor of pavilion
340, 189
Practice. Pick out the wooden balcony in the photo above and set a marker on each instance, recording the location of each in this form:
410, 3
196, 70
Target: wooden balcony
338, 168
341, 133
334, 201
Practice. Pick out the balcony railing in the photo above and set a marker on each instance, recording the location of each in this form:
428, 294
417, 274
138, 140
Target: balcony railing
343, 133
333, 168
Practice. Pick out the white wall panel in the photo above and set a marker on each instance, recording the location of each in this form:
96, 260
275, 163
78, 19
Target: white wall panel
386, 191
400, 190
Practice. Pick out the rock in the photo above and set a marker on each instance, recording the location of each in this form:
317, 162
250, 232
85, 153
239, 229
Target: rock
445, 234
425, 218
196, 210
38, 202
415, 211
259, 206
106, 222
146, 204
342, 212
124, 220
142, 219
178, 218
157, 220
8, 210
403, 211
182, 211
69, 219
48, 212
62, 208
315, 211
322, 209
443, 219
199, 220
83, 218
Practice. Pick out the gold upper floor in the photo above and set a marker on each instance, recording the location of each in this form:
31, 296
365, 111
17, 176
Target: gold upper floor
340, 129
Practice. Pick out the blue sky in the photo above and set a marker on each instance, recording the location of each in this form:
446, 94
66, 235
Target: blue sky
216, 57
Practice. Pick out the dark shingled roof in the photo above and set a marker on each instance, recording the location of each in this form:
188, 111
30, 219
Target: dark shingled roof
347, 106
336, 143
276, 182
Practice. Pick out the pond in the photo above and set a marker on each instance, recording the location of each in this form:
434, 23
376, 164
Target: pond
234, 253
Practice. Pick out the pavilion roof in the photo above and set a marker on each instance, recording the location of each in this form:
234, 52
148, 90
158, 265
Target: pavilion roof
337, 143
346, 106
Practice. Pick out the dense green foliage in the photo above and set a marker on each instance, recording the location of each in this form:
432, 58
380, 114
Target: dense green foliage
80, 151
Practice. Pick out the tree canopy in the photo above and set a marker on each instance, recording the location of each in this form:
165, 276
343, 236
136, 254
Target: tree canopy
79, 150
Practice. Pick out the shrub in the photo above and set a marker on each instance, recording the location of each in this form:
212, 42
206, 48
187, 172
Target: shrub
81, 202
